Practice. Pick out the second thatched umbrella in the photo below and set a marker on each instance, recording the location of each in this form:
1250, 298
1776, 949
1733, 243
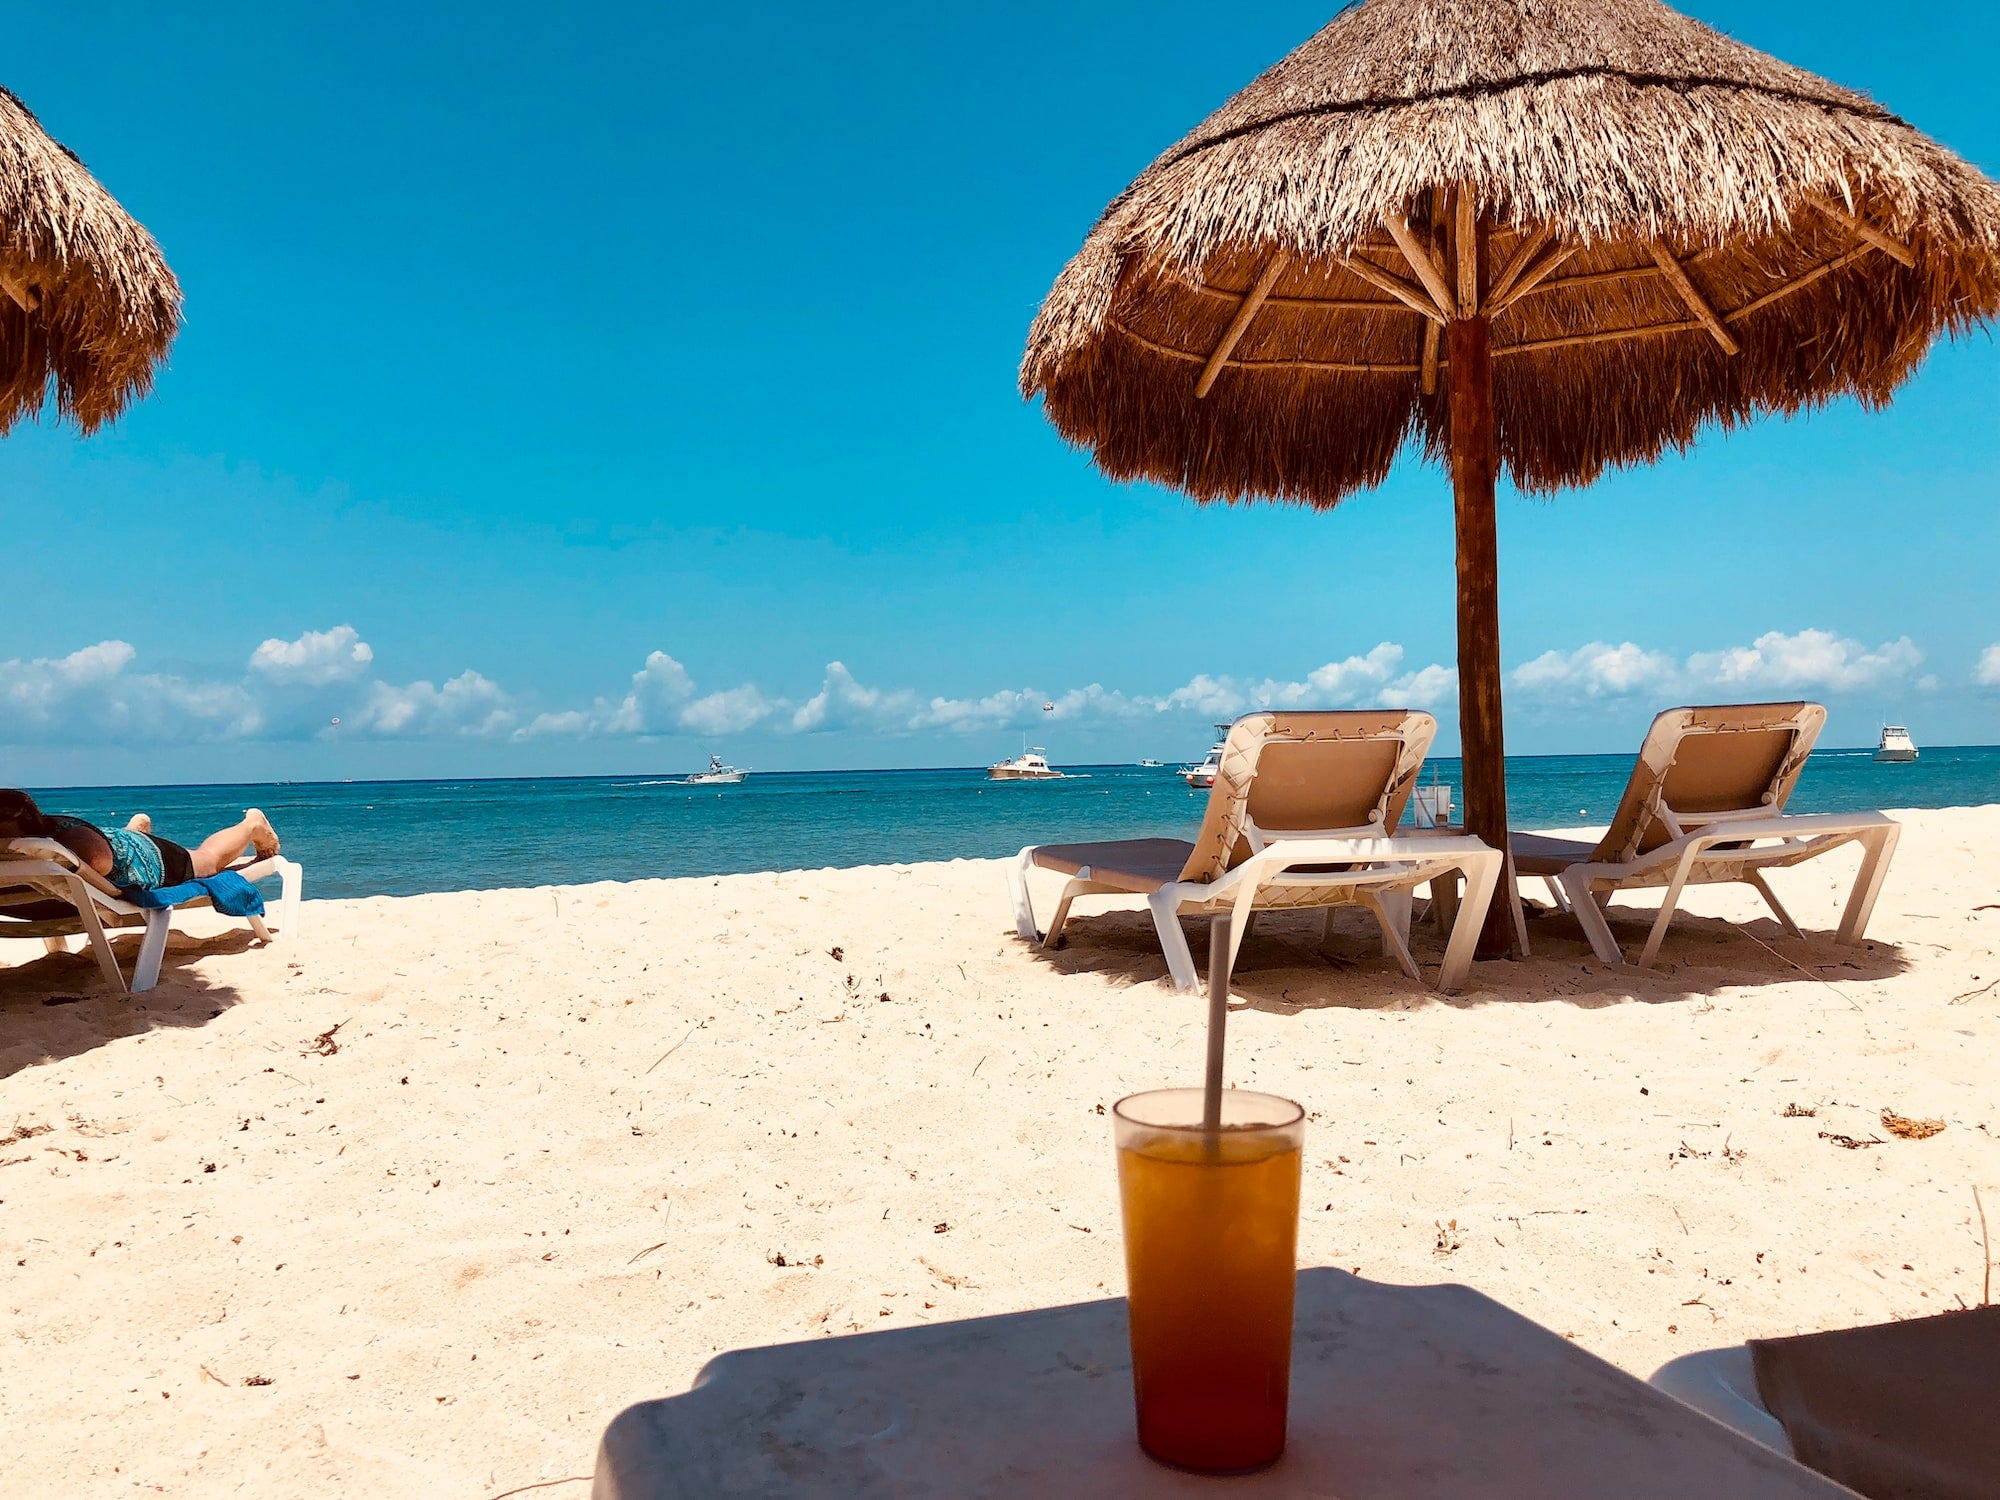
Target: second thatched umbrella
88, 307
1545, 235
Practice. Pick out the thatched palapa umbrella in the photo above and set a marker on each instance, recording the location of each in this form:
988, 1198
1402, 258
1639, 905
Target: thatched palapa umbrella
1553, 235
86, 300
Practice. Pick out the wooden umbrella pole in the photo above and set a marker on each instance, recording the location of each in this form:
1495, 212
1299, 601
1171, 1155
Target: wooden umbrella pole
1475, 463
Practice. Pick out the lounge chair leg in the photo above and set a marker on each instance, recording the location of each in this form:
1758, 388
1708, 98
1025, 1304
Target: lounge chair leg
1056, 923
55, 945
291, 880
1481, 879
152, 948
1393, 923
1591, 916
1880, 846
1444, 900
1017, 886
1556, 892
1756, 878
1510, 886
1326, 929
1173, 942
1667, 904
93, 931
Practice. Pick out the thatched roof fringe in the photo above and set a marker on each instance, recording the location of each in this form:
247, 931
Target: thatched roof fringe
90, 306
1693, 193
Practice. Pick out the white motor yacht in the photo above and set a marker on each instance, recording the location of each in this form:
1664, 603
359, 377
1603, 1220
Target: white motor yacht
1202, 777
1895, 744
717, 774
1029, 765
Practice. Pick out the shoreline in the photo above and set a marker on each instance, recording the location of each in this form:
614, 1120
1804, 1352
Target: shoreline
572, 1141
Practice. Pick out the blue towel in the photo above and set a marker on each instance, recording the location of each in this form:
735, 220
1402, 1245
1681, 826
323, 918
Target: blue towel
228, 892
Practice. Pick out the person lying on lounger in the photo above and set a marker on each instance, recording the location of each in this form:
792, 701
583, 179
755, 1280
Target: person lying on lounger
134, 857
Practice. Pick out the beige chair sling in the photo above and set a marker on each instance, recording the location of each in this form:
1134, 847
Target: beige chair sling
40, 877
1303, 813
1706, 804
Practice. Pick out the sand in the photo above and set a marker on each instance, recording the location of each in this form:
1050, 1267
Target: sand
415, 1203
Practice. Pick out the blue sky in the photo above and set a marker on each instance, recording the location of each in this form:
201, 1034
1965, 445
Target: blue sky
587, 394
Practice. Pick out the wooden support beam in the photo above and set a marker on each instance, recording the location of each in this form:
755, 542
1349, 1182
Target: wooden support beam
1467, 245
1534, 276
1240, 323
1412, 297
1432, 332
1316, 304
1592, 278
1419, 259
1524, 252
27, 297
1691, 295
1344, 367
1888, 244
1826, 268
1607, 336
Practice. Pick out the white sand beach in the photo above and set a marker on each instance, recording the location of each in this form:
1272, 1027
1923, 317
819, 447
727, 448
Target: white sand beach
555, 1148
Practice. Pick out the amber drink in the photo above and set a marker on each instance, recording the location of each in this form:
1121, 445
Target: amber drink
1211, 1242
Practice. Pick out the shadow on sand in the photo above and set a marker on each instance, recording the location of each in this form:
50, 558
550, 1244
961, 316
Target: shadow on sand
60, 1006
1281, 970
1397, 1393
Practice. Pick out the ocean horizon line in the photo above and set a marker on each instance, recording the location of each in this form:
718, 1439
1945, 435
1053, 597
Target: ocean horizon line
653, 776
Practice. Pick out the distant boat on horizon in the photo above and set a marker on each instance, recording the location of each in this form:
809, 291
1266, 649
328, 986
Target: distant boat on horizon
1029, 765
1895, 746
1150, 764
717, 774
1202, 777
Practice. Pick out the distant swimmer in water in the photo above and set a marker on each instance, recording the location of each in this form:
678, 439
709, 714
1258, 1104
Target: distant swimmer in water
134, 857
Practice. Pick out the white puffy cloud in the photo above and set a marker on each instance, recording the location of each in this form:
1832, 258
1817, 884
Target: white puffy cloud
843, 703
90, 697
1812, 659
316, 659
468, 704
1374, 678
1809, 661
728, 712
1596, 670
1987, 672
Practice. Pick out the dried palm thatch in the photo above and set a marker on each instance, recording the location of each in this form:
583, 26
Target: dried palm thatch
1680, 230
1545, 235
87, 303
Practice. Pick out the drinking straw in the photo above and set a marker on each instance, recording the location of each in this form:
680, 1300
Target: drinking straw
1218, 1020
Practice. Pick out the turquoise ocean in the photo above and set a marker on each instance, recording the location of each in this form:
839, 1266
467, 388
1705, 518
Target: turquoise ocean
400, 838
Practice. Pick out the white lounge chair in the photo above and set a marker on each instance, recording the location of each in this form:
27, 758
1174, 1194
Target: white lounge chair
40, 877
1706, 804
1303, 813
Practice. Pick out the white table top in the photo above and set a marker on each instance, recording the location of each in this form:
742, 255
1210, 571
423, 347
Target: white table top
1398, 1393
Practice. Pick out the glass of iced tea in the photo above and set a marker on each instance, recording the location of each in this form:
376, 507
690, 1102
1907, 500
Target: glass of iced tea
1211, 1244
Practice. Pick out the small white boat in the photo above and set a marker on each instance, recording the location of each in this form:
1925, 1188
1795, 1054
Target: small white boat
1202, 777
1895, 744
717, 774
1029, 765
1150, 764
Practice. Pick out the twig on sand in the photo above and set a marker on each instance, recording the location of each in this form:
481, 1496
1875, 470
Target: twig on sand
664, 1222
1684, 1224
324, 1044
676, 1046
544, 1485
1973, 994
1985, 1251
1810, 974
977, 1066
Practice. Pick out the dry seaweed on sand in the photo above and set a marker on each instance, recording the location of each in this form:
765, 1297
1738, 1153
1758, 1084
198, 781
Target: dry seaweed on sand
1909, 1129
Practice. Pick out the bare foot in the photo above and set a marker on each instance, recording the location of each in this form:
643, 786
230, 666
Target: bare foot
263, 837
140, 823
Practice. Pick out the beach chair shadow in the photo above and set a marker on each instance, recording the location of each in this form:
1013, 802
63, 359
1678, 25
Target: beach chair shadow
58, 1005
1285, 967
